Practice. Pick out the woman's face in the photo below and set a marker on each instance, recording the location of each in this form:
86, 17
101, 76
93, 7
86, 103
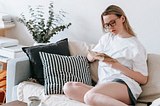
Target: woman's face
113, 23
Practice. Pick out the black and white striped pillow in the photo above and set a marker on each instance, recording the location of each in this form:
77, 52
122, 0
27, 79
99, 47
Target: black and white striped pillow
59, 69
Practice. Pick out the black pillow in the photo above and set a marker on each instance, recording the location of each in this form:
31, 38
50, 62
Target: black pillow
60, 47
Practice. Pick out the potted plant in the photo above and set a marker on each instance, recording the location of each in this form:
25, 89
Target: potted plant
42, 31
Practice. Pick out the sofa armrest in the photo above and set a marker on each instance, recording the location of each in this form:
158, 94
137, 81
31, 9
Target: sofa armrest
18, 70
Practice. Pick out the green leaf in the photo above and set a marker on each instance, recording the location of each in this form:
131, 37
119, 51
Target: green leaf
41, 31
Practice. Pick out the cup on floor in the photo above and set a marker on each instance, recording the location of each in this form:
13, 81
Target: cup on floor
34, 101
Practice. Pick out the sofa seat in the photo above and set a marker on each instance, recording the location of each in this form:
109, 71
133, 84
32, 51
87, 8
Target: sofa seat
27, 88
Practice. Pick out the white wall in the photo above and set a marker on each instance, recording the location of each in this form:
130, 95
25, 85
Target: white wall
143, 15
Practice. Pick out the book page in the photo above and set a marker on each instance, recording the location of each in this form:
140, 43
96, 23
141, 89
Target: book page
101, 56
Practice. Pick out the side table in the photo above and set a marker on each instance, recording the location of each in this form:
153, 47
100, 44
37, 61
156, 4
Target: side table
3, 65
15, 103
2, 30
2, 34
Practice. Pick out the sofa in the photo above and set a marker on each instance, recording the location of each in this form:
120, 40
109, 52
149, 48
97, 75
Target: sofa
20, 88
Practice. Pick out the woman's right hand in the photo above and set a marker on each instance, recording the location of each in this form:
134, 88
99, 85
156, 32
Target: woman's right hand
90, 58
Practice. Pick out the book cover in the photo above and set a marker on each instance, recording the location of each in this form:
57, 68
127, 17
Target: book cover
5, 42
101, 56
11, 54
5, 16
15, 49
4, 59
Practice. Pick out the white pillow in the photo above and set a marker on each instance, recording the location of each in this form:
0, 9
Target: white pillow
81, 48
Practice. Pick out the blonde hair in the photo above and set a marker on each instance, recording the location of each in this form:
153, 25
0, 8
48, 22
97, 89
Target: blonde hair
113, 9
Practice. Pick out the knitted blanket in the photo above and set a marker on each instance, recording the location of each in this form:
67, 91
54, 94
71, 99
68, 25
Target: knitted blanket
26, 89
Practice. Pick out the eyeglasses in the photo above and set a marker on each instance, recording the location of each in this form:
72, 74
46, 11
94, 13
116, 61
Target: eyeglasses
111, 23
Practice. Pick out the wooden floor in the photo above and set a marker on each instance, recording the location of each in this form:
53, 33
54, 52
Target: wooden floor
15, 103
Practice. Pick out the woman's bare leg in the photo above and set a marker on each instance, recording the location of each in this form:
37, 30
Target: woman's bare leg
108, 94
103, 100
76, 90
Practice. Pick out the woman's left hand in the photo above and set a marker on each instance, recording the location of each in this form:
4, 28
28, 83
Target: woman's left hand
137, 76
115, 65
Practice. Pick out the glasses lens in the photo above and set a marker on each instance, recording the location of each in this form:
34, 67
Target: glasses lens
110, 24
113, 23
105, 26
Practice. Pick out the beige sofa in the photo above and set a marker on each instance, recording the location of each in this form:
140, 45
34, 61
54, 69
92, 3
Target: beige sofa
19, 71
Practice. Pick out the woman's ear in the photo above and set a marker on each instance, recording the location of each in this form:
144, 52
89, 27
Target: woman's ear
123, 18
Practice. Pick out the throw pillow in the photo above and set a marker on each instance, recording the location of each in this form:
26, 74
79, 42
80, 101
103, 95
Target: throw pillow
59, 69
80, 48
60, 47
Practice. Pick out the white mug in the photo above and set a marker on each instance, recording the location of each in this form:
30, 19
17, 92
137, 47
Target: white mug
34, 101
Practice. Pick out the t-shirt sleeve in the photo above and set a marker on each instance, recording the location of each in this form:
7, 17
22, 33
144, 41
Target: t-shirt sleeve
140, 61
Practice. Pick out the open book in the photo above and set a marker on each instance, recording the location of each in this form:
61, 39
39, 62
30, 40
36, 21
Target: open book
101, 56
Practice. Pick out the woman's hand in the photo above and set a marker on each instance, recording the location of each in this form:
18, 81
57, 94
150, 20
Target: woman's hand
130, 73
115, 65
90, 58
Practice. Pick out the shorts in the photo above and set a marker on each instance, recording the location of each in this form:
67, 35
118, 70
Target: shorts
129, 91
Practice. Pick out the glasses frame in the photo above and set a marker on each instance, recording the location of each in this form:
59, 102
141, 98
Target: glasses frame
107, 25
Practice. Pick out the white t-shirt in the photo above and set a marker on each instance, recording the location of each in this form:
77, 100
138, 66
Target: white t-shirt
129, 52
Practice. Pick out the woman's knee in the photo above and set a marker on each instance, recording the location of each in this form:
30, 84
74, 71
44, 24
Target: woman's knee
89, 98
69, 87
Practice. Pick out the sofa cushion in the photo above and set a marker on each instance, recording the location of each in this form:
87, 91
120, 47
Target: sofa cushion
59, 69
151, 90
80, 48
140, 104
60, 47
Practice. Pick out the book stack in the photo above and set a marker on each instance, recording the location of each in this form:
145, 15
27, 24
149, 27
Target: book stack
9, 49
6, 21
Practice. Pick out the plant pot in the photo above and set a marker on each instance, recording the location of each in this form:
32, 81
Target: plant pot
35, 44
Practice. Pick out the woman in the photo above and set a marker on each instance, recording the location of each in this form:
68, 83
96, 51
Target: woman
119, 82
